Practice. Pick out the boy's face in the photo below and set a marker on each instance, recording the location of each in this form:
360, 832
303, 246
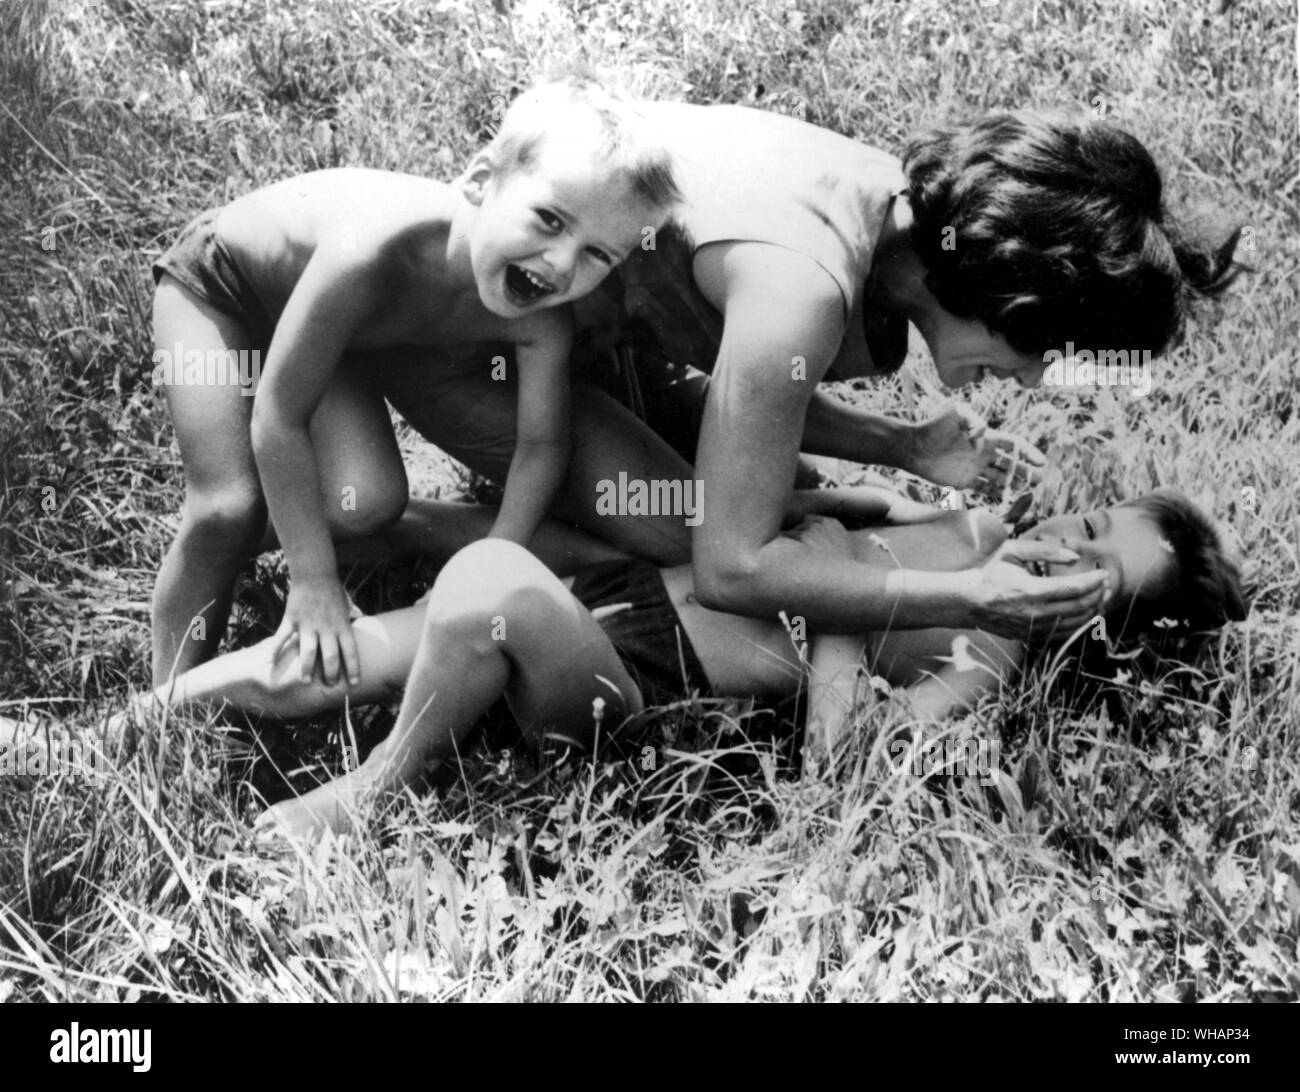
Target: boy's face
1124, 541
550, 232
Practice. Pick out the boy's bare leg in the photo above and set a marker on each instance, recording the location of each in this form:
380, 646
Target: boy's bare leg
362, 476
223, 514
498, 622
223, 521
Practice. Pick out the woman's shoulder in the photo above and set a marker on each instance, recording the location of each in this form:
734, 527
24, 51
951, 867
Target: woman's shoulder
744, 148
680, 123
748, 175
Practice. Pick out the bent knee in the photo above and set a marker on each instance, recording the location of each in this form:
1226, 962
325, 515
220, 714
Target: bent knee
357, 511
232, 517
495, 562
489, 585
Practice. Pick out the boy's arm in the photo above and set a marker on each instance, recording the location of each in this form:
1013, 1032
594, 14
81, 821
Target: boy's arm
334, 295
542, 431
980, 664
832, 691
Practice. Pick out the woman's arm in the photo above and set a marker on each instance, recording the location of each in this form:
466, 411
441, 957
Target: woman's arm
775, 347
838, 430
783, 326
953, 448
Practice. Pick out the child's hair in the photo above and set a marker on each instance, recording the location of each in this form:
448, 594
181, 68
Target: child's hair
623, 143
1205, 588
1050, 228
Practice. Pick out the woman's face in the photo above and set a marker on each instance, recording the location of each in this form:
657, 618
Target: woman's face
966, 351
1124, 541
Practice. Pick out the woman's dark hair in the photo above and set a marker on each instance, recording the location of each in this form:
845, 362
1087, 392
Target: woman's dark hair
1051, 228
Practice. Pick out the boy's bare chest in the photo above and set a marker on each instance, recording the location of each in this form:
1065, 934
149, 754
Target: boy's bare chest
418, 312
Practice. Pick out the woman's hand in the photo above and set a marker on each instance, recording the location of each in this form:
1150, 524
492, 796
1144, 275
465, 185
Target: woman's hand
957, 448
319, 615
1007, 600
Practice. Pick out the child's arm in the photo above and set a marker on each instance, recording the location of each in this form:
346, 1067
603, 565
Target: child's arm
542, 431
980, 663
338, 289
832, 691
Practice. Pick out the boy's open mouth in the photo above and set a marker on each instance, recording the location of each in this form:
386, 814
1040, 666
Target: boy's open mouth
524, 287
1039, 568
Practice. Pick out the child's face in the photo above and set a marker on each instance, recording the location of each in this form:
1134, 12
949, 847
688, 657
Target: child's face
550, 232
1123, 541
967, 351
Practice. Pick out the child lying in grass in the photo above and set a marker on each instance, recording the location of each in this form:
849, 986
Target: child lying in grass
629, 635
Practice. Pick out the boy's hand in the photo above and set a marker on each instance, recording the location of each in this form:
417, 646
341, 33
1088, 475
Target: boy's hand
318, 613
957, 448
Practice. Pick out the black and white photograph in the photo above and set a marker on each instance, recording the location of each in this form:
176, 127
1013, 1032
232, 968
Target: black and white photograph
635, 501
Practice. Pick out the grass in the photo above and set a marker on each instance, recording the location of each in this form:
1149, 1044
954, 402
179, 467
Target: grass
1141, 846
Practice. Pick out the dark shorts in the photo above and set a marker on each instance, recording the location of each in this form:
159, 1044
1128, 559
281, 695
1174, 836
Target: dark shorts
629, 601
202, 263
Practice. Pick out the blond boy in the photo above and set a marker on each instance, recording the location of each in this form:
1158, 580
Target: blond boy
323, 277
